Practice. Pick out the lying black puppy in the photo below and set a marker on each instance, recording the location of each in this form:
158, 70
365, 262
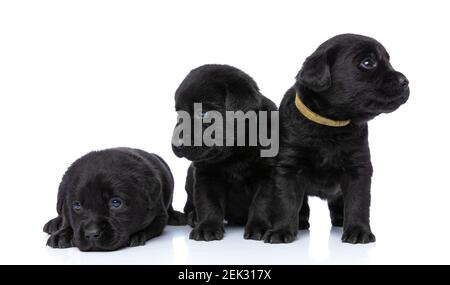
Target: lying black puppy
111, 199
221, 180
324, 148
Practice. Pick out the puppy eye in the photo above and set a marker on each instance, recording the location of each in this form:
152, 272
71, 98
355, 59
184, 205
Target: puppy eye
76, 205
116, 203
202, 115
368, 63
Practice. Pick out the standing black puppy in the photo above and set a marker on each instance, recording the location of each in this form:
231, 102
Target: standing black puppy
111, 199
324, 148
222, 180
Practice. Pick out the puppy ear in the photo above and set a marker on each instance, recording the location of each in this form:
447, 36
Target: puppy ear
315, 72
66, 186
156, 186
242, 98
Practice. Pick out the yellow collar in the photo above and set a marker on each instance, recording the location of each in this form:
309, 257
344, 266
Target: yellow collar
316, 118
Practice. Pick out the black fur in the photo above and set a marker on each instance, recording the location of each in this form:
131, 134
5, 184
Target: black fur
332, 163
142, 181
221, 180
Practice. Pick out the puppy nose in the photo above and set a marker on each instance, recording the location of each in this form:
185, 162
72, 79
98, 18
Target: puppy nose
403, 81
92, 234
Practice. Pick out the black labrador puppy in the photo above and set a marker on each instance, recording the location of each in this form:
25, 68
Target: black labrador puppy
111, 199
324, 149
222, 179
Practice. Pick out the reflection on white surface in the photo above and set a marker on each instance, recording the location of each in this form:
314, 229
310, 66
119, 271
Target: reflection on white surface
180, 249
399, 241
319, 245
174, 247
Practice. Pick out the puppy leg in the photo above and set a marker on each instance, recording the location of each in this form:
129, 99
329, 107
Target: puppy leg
209, 202
259, 215
151, 231
303, 218
61, 238
286, 207
53, 225
189, 209
336, 207
356, 190
191, 218
176, 218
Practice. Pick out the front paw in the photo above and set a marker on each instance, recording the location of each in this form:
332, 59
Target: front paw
138, 239
254, 232
280, 236
356, 235
60, 240
53, 225
204, 232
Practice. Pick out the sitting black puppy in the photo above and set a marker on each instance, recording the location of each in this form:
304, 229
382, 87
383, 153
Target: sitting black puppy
324, 149
113, 198
221, 180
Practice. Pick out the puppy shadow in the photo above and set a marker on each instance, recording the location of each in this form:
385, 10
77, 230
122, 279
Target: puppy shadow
345, 253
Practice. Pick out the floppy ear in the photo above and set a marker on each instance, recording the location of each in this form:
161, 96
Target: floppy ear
66, 185
156, 193
315, 72
242, 98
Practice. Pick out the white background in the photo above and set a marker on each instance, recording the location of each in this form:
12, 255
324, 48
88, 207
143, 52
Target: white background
77, 76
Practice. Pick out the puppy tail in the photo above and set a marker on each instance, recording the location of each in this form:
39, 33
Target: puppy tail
176, 218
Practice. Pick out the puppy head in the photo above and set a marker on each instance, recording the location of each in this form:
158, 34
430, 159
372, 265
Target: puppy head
105, 209
350, 77
219, 88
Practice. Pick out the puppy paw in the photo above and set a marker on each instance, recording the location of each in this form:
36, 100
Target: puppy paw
356, 235
254, 233
303, 225
60, 240
53, 225
207, 233
138, 239
279, 236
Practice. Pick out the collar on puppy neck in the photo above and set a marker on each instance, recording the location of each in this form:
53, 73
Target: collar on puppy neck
316, 118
